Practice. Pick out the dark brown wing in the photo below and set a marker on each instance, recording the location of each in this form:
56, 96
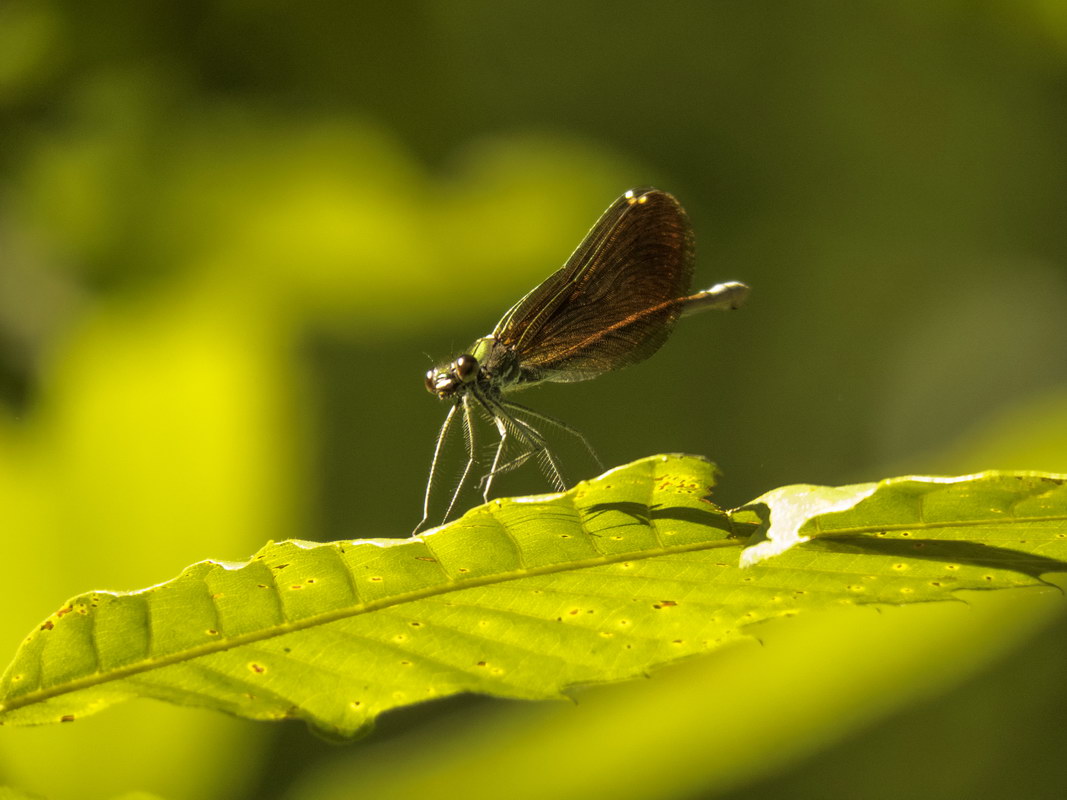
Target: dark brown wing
610, 304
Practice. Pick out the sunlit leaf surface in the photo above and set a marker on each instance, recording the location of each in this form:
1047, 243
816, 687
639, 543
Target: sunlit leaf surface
524, 598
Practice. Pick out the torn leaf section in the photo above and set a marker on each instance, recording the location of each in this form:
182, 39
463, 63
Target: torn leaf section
990, 508
791, 508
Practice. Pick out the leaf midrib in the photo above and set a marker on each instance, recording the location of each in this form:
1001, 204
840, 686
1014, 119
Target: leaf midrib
283, 629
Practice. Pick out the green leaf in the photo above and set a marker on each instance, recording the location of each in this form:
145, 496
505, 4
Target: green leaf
526, 597
996, 517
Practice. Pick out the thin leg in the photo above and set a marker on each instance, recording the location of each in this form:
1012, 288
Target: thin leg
468, 434
550, 467
500, 419
442, 435
563, 426
535, 445
503, 430
529, 435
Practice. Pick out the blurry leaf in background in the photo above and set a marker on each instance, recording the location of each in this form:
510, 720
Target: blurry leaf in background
174, 752
316, 220
177, 418
339, 227
166, 429
1045, 20
165, 432
1032, 431
30, 36
327, 220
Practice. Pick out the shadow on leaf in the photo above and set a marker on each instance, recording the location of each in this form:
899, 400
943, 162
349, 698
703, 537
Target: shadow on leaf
974, 554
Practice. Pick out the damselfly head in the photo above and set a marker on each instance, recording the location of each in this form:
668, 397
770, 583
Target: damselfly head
446, 380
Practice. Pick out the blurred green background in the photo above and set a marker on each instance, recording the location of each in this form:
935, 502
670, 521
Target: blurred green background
234, 236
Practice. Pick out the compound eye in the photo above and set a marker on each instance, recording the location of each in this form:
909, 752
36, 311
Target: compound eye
430, 375
465, 367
